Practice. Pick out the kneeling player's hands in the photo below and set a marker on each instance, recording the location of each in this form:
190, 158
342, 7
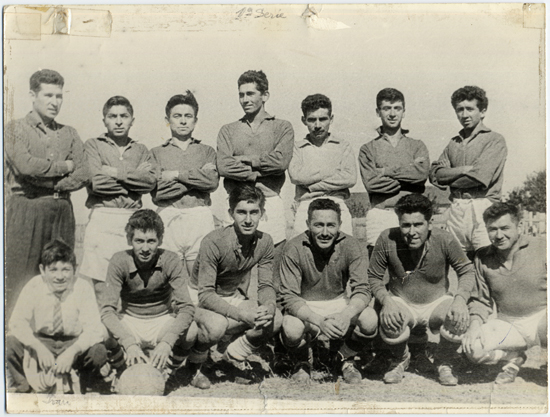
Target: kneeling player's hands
472, 335
341, 321
135, 355
330, 328
458, 317
46, 360
160, 356
391, 316
64, 362
264, 316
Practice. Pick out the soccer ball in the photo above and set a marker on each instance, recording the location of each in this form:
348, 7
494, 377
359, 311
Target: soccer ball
141, 379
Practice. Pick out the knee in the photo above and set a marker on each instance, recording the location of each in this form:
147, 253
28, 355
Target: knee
293, 329
395, 337
214, 330
367, 323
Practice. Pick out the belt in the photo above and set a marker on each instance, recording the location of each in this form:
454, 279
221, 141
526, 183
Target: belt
61, 195
57, 195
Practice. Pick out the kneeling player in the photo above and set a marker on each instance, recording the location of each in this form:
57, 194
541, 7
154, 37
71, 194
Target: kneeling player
55, 328
221, 277
417, 258
512, 273
316, 267
157, 313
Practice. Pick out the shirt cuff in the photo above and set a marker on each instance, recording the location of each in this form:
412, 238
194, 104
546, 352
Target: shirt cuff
62, 167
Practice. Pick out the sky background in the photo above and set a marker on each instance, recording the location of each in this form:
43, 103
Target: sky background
426, 51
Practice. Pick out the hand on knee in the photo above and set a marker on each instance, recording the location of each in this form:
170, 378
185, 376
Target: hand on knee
448, 335
392, 337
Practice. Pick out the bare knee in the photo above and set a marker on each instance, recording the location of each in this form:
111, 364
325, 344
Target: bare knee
211, 326
367, 322
393, 337
293, 329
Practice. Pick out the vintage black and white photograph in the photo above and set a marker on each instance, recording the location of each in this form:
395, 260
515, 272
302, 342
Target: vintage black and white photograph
252, 209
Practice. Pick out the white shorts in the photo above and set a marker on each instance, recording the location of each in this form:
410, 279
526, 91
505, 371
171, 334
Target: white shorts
327, 307
185, 228
421, 313
235, 299
300, 217
104, 237
43, 382
465, 223
379, 220
526, 326
147, 330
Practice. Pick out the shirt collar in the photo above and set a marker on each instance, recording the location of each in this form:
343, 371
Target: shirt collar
104, 137
172, 139
132, 266
478, 129
35, 120
237, 247
306, 141
381, 134
66, 293
265, 116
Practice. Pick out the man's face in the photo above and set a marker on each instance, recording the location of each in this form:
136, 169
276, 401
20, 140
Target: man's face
182, 121
323, 228
468, 114
47, 101
246, 216
414, 229
503, 232
58, 276
251, 99
318, 123
391, 114
118, 122
145, 245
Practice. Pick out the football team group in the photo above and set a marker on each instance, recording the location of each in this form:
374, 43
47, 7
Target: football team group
169, 288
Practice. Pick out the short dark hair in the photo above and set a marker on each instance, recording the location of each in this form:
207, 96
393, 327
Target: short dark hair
316, 102
144, 220
117, 101
187, 98
246, 192
45, 76
257, 77
57, 251
324, 204
389, 94
470, 93
497, 210
414, 203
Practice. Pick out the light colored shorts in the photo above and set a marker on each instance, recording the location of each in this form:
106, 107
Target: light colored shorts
301, 216
465, 223
327, 307
526, 326
147, 330
421, 313
185, 228
235, 299
104, 237
379, 220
